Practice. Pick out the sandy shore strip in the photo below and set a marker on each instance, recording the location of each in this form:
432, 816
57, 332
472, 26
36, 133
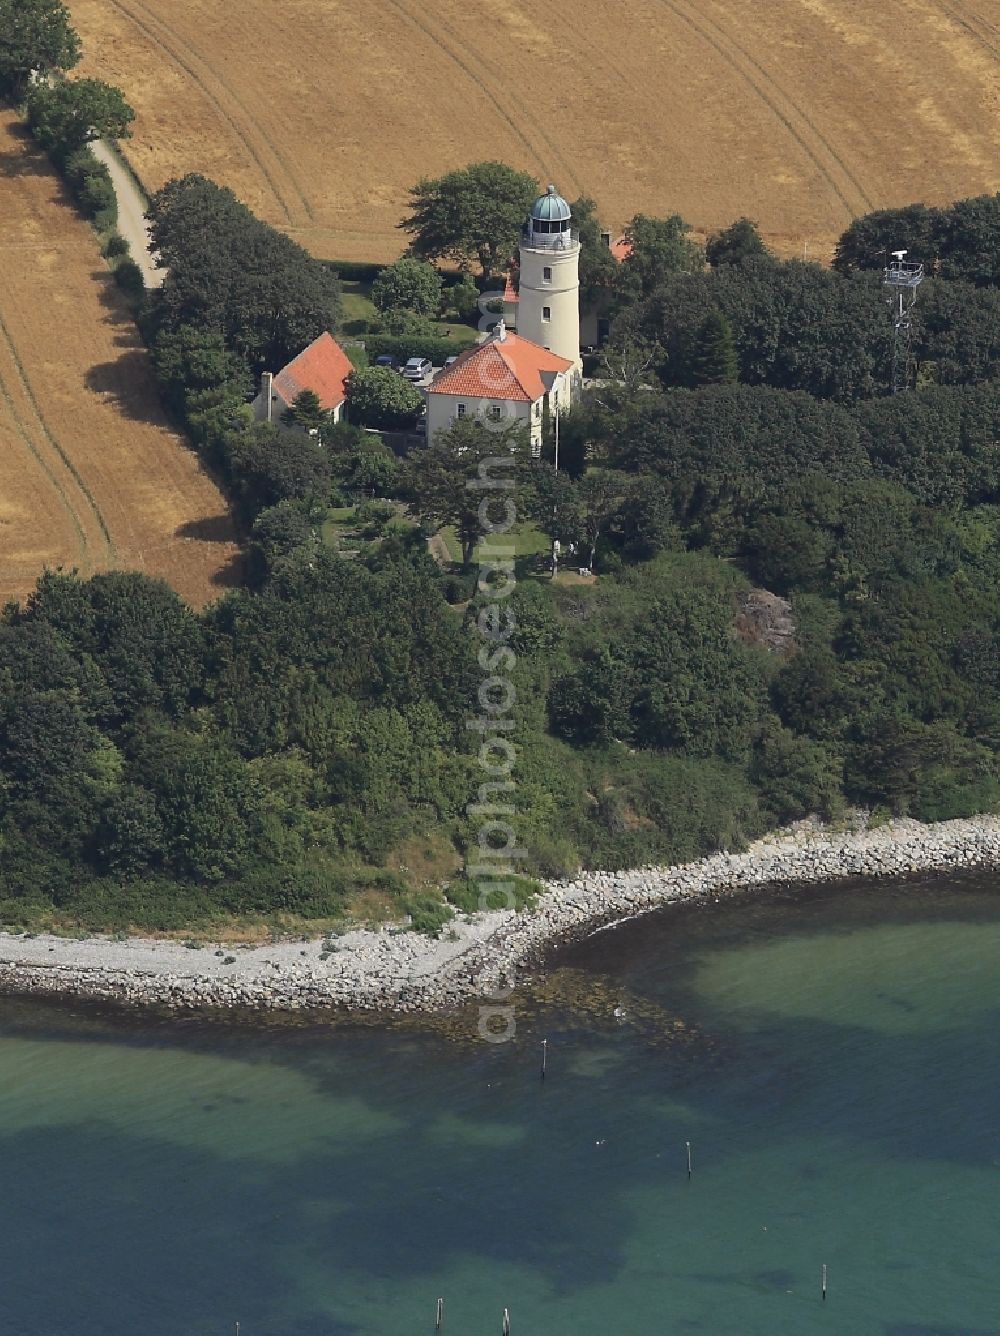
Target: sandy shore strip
401, 971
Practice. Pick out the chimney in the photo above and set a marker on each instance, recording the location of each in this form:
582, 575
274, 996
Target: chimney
266, 381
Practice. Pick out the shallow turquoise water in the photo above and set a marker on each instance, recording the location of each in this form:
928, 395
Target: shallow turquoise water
837, 1076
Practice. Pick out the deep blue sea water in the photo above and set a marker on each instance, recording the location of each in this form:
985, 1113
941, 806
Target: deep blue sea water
833, 1056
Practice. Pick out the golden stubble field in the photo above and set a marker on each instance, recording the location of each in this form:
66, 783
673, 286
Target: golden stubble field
801, 113
91, 476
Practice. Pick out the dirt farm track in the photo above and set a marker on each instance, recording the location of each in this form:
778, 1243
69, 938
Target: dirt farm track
90, 475
801, 113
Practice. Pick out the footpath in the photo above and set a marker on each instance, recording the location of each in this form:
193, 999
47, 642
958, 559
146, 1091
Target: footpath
131, 212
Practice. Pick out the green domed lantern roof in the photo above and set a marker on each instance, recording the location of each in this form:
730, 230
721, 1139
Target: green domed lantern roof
550, 208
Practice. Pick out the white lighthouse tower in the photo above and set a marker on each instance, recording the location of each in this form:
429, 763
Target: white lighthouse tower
548, 309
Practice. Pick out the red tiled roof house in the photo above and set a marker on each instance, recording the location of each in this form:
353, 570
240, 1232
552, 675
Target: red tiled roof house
507, 379
323, 367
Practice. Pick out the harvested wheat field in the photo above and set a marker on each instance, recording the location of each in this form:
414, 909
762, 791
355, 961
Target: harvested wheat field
90, 475
321, 113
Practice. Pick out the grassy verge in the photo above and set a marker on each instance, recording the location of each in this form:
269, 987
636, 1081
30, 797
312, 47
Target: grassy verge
359, 311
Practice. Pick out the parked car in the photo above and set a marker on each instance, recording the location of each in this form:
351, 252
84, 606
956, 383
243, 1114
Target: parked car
417, 368
387, 359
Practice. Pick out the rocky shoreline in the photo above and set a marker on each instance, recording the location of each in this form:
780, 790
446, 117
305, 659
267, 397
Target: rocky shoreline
402, 972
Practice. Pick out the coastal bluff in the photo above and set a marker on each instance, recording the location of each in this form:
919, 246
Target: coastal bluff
395, 971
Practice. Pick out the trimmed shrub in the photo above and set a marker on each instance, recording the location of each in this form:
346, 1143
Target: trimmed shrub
80, 164
403, 347
96, 194
129, 277
115, 246
357, 271
91, 186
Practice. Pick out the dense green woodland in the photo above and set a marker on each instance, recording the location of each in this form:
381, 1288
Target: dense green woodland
303, 742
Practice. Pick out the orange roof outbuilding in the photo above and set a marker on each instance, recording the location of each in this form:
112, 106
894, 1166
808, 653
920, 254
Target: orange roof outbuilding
323, 367
505, 367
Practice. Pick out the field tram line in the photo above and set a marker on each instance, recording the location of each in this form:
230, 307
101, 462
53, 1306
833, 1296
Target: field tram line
781, 105
979, 19
25, 434
866, 200
148, 24
50, 439
454, 48
968, 23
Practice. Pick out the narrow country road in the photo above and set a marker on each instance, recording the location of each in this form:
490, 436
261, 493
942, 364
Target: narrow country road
131, 213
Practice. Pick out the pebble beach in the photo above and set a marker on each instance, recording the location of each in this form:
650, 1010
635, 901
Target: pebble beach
394, 971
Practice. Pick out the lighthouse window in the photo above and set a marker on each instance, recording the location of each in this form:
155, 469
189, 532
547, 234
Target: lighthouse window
547, 274
546, 312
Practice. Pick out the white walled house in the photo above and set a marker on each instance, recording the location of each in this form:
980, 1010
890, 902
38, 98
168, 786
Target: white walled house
323, 367
507, 379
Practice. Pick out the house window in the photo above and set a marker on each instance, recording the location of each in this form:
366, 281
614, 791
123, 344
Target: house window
493, 412
538, 408
546, 312
460, 411
547, 274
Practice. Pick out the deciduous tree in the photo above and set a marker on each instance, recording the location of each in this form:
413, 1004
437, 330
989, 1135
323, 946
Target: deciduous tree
410, 285
268, 465
69, 113
447, 482
34, 35
474, 213
736, 243
598, 267
658, 247
231, 274
381, 397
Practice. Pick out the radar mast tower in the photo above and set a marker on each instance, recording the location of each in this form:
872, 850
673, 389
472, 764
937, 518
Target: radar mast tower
902, 278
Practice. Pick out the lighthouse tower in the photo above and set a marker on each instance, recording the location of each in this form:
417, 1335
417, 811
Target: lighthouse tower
548, 310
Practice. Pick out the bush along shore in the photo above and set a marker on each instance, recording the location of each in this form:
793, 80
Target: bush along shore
404, 972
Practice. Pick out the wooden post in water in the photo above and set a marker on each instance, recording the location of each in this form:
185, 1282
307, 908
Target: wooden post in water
439, 1316
688, 1145
545, 1046
824, 1282
506, 1323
